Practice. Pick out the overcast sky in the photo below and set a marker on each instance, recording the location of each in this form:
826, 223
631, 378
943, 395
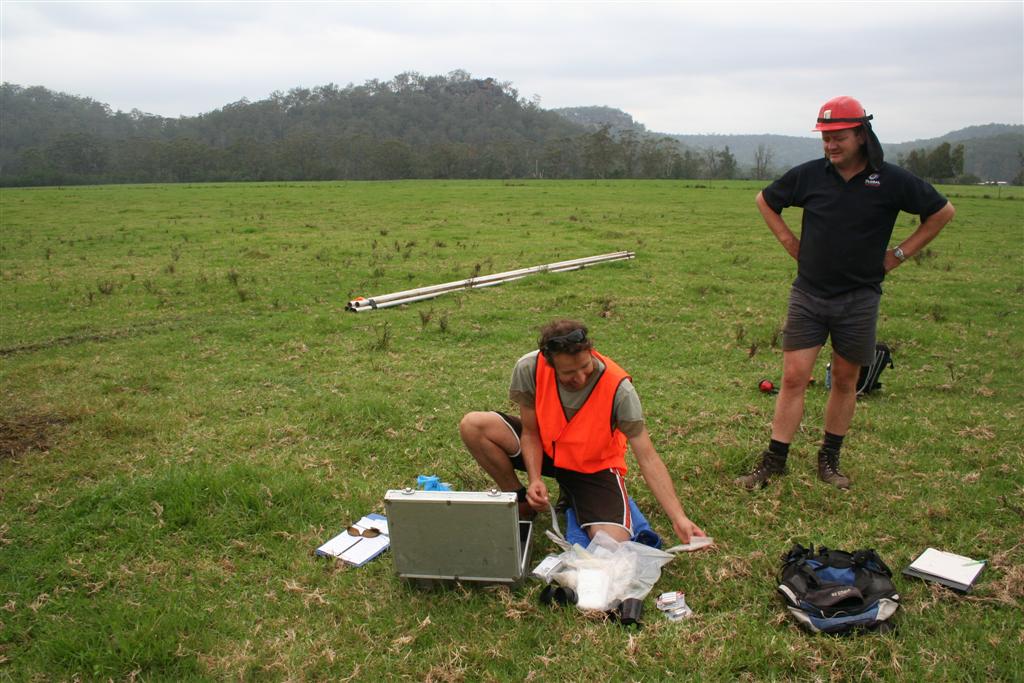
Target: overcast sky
922, 68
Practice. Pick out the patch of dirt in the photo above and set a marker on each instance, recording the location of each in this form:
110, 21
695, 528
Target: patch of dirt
22, 433
1009, 588
110, 335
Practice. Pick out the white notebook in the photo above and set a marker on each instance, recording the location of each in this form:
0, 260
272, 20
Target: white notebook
356, 549
949, 569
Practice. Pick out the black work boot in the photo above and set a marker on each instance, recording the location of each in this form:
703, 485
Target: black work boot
769, 466
828, 469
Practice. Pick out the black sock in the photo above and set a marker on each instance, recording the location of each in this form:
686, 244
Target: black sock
832, 442
778, 448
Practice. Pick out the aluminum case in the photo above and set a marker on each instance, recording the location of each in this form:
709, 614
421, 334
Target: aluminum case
458, 536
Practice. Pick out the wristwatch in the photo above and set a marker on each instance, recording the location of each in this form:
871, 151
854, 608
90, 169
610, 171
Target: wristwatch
898, 253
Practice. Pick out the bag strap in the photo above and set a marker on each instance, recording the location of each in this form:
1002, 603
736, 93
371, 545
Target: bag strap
796, 556
799, 569
835, 558
555, 533
869, 559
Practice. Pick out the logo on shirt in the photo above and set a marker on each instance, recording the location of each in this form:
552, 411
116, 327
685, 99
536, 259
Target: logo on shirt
873, 180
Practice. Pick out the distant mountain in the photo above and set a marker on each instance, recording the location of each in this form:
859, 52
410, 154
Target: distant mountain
994, 151
785, 150
991, 152
593, 118
969, 133
413, 126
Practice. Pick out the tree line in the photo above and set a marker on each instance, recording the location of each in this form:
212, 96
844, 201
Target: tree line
944, 163
413, 126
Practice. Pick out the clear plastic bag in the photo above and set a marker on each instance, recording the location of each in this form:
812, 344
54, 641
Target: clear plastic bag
607, 572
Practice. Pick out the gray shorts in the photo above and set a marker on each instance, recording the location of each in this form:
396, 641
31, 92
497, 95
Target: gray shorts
851, 320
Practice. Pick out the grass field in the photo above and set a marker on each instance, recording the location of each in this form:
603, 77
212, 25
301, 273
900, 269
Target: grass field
187, 411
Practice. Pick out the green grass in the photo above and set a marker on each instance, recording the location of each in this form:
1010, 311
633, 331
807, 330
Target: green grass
187, 411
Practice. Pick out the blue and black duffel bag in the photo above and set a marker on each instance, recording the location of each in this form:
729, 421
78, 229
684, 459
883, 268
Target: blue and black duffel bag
833, 591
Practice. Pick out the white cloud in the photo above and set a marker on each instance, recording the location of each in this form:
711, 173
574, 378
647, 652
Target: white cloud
923, 68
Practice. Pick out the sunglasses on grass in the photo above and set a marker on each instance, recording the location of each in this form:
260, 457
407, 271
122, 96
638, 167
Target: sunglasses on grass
365, 533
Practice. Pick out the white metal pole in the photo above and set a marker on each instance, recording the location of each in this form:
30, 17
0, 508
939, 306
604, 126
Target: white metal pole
425, 293
483, 278
496, 278
428, 295
422, 293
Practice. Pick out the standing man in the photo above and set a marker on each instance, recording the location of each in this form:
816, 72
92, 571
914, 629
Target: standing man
578, 410
850, 202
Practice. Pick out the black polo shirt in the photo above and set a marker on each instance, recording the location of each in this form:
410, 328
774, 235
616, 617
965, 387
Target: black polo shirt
847, 225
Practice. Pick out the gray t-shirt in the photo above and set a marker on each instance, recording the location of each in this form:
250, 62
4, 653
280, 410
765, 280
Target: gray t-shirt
627, 414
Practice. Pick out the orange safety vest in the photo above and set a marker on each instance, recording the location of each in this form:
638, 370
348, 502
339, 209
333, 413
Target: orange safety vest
588, 442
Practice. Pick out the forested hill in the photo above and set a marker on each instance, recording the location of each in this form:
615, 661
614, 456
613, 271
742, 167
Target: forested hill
413, 126
991, 152
597, 117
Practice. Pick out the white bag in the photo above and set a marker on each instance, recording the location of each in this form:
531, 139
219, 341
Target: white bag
607, 571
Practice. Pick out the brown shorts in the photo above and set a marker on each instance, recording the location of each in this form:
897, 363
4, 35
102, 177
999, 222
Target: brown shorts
849, 319
597, 497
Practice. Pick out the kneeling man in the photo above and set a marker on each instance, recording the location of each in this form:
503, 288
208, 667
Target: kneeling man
578, 410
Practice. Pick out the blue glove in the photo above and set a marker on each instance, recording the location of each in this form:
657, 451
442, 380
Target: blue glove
432, 483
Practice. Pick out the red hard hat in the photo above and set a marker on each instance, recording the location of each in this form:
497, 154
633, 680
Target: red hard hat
839, 113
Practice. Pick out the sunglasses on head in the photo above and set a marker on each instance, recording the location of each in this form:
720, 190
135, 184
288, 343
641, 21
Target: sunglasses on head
564, 341
365, 533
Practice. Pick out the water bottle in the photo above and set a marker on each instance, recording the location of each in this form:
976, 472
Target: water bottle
828, 375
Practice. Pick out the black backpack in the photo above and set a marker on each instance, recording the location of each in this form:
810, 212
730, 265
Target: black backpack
833, 591
869, 374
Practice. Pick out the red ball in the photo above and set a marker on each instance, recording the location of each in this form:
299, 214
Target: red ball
766, 386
